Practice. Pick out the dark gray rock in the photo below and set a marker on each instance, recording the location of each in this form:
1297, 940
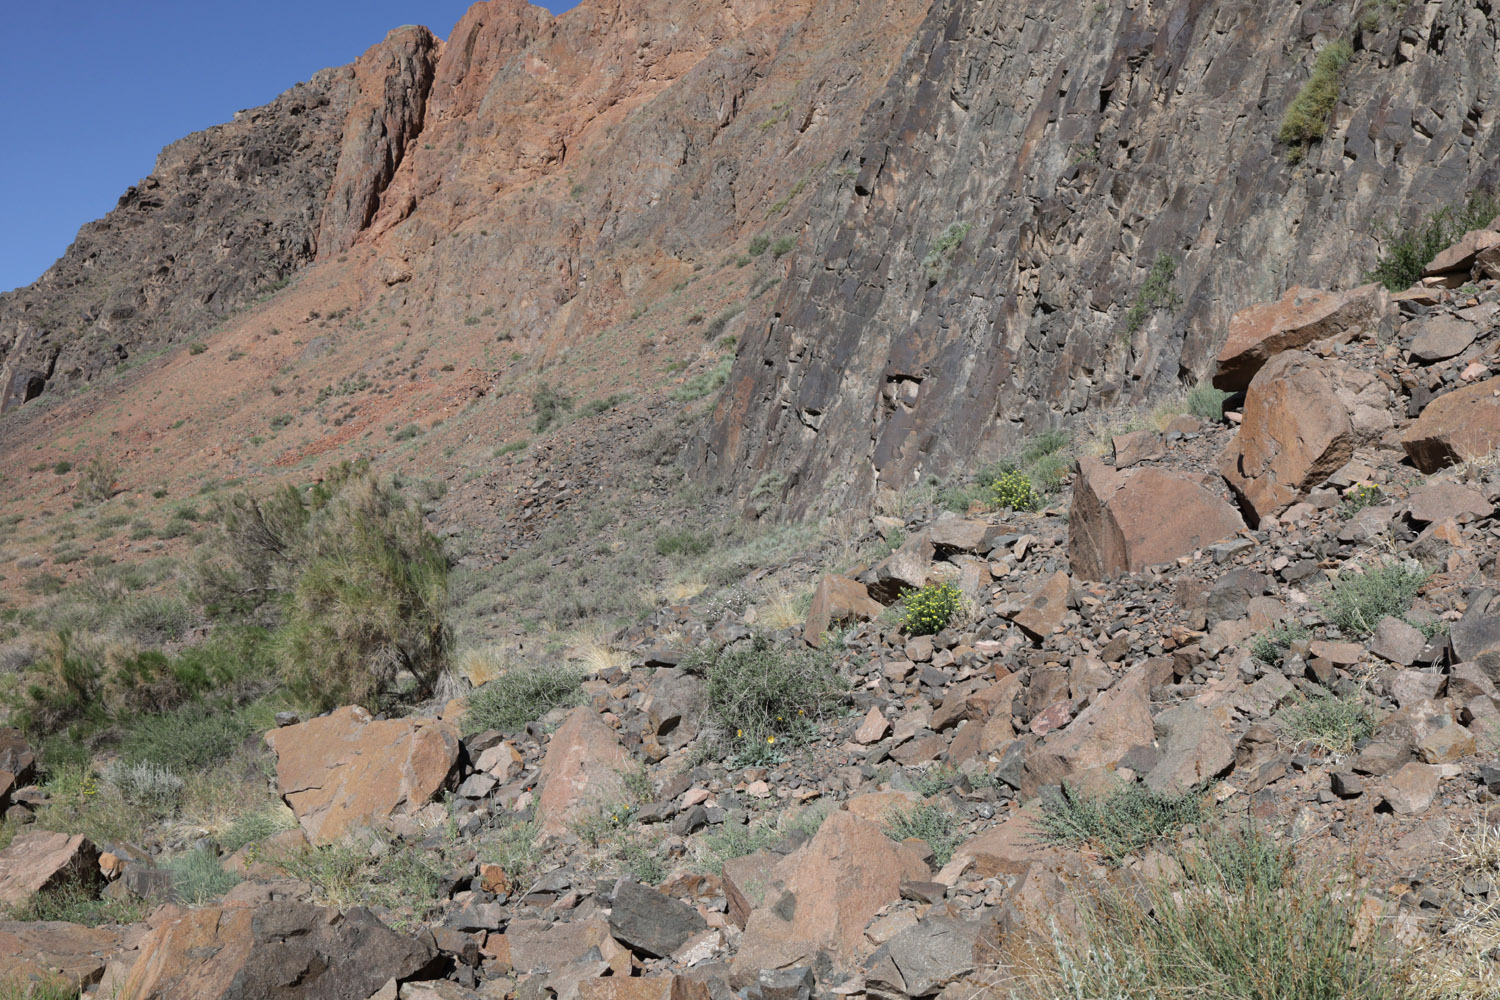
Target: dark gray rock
650, 923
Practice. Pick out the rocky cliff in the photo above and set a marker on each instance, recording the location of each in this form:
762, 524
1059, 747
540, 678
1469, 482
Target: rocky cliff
1072, 148
227, 215
975, 199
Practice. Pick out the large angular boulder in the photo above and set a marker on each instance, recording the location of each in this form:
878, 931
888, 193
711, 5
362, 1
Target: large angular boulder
1461, 257
40, 861
16, 756
1121, 522
34, 952
1438, 338
650, 922
276, 950
822, 896
1455, 427
1118, 721
1303, 418
582, 772
905, 569
838, 600
1301, 316
344, 770
1043, 610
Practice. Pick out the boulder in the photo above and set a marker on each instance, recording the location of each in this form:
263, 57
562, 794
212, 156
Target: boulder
650, 922
277, 949
1455, 427
1118, 721
829, 891
675, 704
16, 756
642, 988
41, 860
1194, 750
1044, 609
1301, 316
345, 770
1121, 522
1441, 337
583, 771
838, 600
1011, 847
954, 535
1397, 641
902, 570
929, 955
1438, 501
1462, 256
50, 949
1303, 418
1135, 447
1411, 790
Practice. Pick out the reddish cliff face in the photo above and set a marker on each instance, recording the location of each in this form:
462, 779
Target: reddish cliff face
964, 202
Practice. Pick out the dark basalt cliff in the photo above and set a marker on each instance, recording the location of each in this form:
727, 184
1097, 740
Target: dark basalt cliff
1078, 143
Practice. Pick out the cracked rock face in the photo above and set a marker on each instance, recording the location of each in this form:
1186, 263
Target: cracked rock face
1079, 149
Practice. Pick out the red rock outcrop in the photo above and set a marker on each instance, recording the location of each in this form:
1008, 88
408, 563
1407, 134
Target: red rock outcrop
1458, 426
1122, 521
345, 770
1303, 418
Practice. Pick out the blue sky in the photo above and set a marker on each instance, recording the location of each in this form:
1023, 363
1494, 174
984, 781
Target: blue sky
94, 90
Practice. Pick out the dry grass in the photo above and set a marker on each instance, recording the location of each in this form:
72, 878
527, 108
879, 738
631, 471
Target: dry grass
781, 607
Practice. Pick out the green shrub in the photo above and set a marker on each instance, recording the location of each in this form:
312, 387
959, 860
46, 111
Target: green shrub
716, 325
151, 788
783, 246
758, 244
522, 695
252, 828
187, 739
1360, 497
1334, 723
549, 406
197, 876
1119, 824
702, 384
1238, 925
1358, 601
933, 824
72, 903
1270, 647
931, 608
399, 876
943, 248
96, 483
62, 468
683, 542
763, 695
359, 583
197, 347
594, 407
1409, 251
1306, 119
731, 840
1156, 292
1014, 491
1207, 403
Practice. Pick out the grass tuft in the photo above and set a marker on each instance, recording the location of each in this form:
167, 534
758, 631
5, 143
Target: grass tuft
1119, 824
523, 695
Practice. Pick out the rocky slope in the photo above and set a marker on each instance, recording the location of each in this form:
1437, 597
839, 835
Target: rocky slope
1133, 636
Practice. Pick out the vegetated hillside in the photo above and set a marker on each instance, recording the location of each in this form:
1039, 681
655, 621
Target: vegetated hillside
564, 688
1057, 207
